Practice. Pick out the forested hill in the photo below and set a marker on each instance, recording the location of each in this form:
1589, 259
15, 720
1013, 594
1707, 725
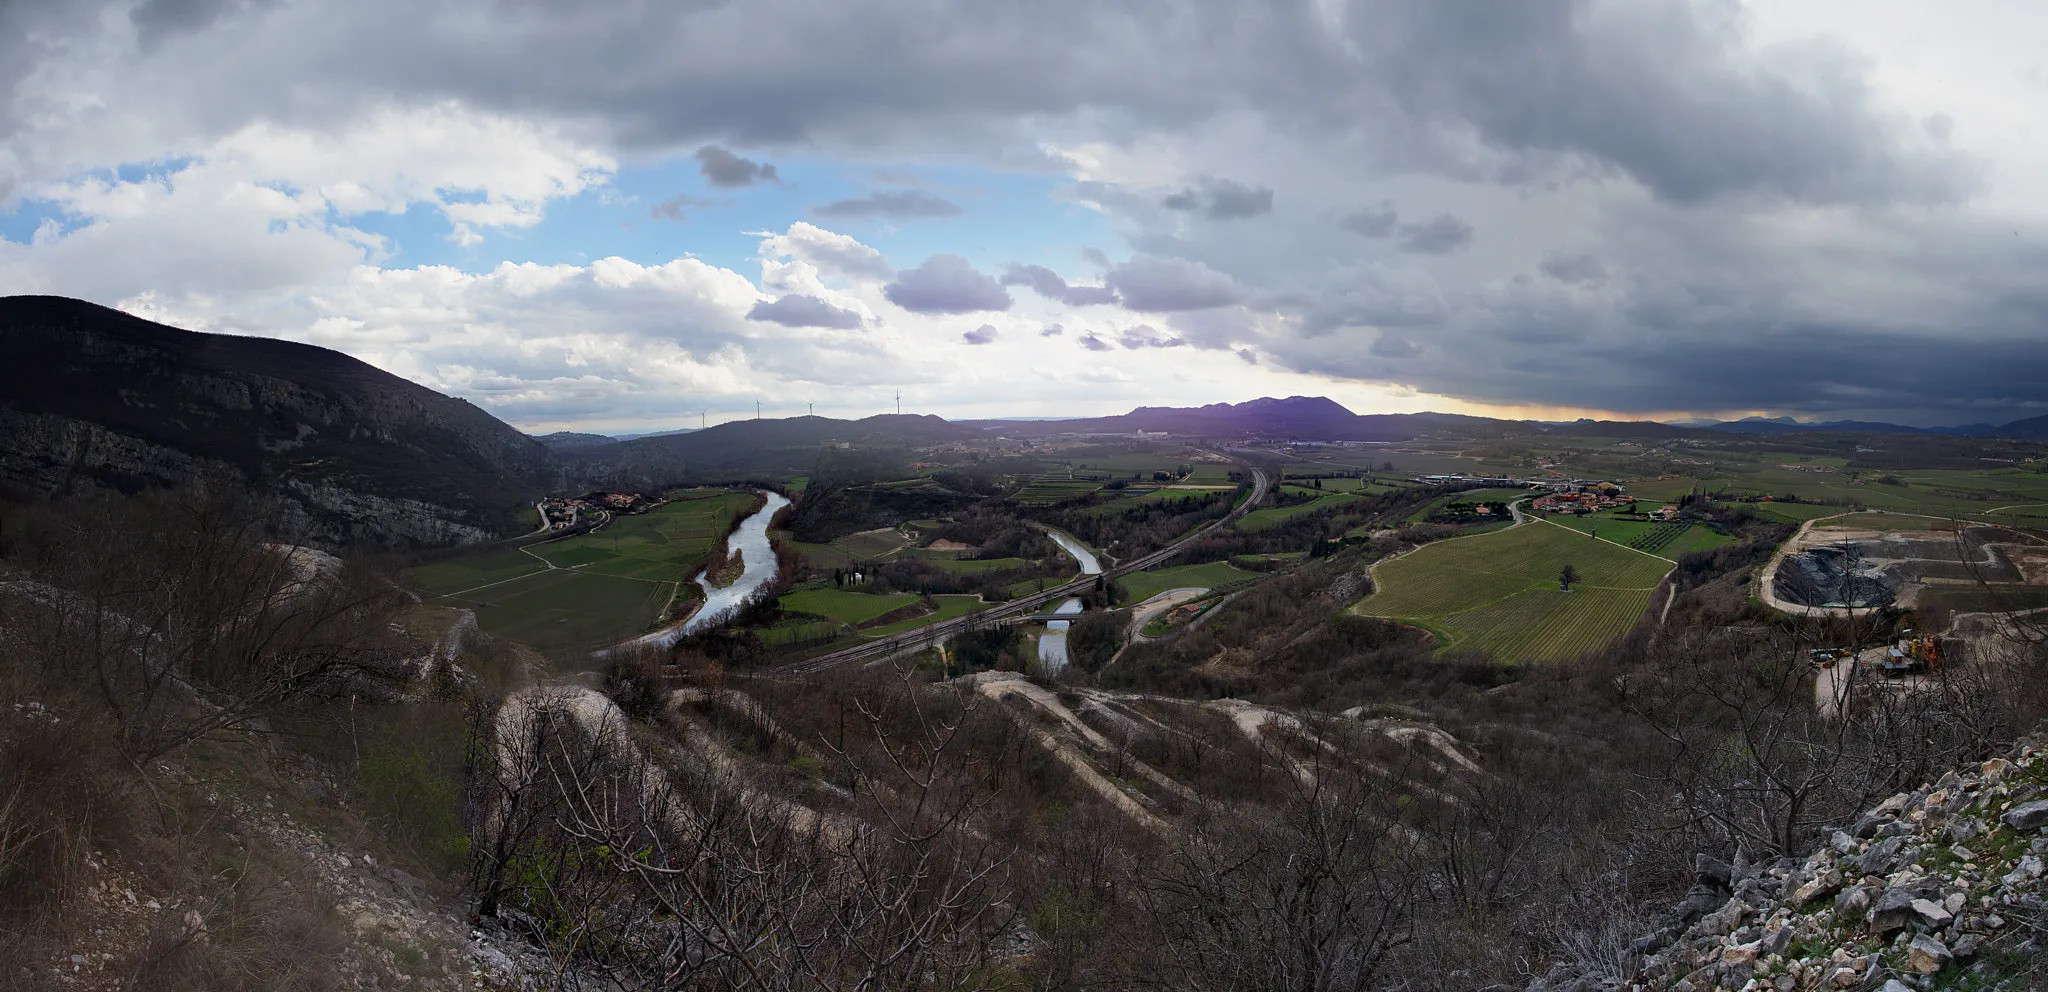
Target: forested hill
91, 397
762, 449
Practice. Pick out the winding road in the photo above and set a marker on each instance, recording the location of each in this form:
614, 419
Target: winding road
1022, 604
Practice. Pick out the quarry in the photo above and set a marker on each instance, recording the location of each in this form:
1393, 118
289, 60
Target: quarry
1837, 565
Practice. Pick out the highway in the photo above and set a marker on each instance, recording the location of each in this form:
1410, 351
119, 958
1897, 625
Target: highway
1022, 604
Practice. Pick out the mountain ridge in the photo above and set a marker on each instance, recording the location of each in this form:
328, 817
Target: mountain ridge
94, 398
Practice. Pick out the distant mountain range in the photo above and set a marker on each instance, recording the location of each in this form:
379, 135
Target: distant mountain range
91, 397
1297, 417
2030, 429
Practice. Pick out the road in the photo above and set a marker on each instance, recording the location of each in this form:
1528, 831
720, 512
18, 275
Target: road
1022, 604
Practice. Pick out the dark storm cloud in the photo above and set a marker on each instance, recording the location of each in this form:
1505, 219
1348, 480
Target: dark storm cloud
1391, 346
797, 310
1964, 347
1156, 285
723, 168
1221, 199
946, 284
1574, 267
1436, 236
1667, 93
897, 204
984, 334
677, 207
1373, 222
1047, 283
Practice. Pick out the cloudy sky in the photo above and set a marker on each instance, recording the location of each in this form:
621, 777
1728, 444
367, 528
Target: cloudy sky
613, 214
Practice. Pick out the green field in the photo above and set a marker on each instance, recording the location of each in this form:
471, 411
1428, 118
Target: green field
592, 589
1141, 586
1657, 537
1498, 592
846, 607
949, 607
855, 608
1274, 516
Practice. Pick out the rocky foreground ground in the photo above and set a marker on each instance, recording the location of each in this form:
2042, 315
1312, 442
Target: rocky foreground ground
1940, 888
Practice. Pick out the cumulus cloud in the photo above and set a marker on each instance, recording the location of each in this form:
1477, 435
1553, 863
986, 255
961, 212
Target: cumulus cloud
896, 204
1574, 267
946, 284
1438, 235
795, 310
1153, 284
1145, 336
1047, 283
720, 167
1094, 343
1221, 199
984, 334
1052, 331
829, 251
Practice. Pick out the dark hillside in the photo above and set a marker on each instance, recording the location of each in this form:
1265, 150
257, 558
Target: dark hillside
91, 397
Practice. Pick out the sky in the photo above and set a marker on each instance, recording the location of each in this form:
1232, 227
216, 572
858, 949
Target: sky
614, 215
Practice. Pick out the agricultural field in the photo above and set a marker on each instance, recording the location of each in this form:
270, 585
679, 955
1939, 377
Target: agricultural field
1274, 516
1499, 591
563, 609
1141, 586
949, 607
592, 589
846, 607
1669, 539
1048, 490
852, 609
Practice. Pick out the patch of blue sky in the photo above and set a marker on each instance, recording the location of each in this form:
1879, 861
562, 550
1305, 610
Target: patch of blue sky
27, 214
653, 213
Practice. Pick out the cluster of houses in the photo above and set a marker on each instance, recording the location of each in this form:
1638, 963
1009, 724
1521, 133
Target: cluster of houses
1585, 498
562, 511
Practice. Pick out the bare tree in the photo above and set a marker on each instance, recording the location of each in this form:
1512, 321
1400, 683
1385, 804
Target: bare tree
188, 617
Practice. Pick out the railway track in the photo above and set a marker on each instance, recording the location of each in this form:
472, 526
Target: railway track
1021, 606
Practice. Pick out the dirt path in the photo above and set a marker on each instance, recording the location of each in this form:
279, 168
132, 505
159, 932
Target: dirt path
1143, 613
996, 685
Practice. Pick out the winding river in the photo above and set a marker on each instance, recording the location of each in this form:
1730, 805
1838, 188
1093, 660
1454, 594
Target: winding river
1052, 645
750, 541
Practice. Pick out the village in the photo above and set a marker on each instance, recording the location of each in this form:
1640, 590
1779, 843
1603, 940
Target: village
565, 512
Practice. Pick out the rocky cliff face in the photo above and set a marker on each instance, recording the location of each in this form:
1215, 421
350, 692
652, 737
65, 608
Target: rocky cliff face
1937, 888
94, 398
